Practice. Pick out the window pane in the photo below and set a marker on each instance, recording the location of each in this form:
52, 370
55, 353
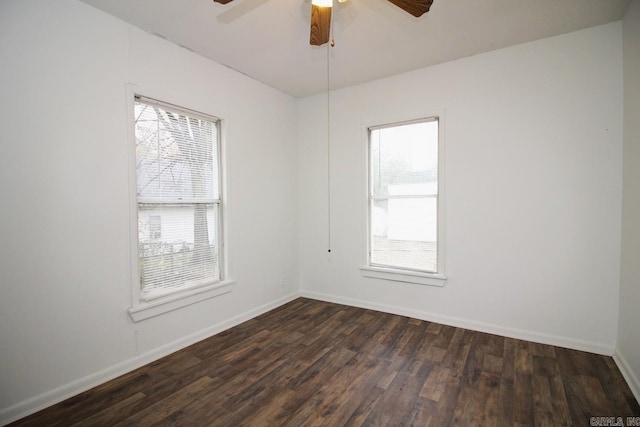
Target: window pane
176, 155
183, 252
404, 159
404, 233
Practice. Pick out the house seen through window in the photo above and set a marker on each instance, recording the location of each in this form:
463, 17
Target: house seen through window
403, 196
178, 198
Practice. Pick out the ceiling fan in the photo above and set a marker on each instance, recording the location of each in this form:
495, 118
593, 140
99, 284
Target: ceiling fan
321, 15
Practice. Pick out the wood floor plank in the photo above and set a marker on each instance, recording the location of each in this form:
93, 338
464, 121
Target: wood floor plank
398, 400
337, 409
561, 415
522, 399
576, 400
505, 402
487, 396
436, 383
327, 407
167, 406
425, 410
363, 410
464, 407
110, 415
542, 403
313, 363
272, 411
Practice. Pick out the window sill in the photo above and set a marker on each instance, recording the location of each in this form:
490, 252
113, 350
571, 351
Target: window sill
148, 309
404, 276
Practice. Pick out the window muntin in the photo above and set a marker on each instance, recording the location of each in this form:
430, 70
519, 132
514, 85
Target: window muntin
178, 198
403, 196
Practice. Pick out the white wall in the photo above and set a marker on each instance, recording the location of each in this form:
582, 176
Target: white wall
628, 350
533, 140
64, 186
533, 198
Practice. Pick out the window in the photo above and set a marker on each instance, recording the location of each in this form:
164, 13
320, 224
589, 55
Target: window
177, 161
155, 227
404, 201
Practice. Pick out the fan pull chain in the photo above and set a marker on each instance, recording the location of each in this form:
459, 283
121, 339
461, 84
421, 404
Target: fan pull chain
332, 43
329, 147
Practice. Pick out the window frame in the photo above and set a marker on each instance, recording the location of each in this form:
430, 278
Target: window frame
396, 273
143, 307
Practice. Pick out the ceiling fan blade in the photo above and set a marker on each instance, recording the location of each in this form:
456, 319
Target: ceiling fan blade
222, 1
415, 7
320, 25
241, 9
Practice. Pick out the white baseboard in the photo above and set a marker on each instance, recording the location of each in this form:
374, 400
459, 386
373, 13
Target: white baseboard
466, 323
628, 374
44, 400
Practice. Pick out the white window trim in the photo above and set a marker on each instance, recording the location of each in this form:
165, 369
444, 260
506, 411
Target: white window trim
438, 278
142, 309
406, 276
145, 310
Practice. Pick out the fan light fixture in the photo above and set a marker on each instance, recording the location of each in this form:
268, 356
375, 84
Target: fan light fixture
325, 3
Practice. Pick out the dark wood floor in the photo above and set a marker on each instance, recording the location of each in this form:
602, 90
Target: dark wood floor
316, 363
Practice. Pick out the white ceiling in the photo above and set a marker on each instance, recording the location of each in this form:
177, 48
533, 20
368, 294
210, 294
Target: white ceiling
269, 39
